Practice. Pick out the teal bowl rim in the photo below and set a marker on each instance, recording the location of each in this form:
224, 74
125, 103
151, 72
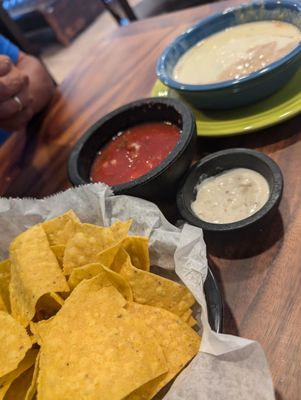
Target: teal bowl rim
167, 80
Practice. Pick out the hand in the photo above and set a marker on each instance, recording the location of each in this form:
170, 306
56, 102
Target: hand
13, 82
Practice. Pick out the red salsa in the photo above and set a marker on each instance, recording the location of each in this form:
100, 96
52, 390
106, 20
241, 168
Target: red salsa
134, 152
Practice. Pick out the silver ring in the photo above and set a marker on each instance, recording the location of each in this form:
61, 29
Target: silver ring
19, 102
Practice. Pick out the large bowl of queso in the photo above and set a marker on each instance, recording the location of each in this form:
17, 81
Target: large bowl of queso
141, 149
237, 57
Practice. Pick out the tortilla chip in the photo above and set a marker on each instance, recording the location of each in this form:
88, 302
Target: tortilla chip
89, 240
85, 272
37, 327
19, 388
34, 382
179, 342
106, 257
33, 339
57, 298
106, 276
187, 314
94, 333
34, 272
192, 322
7, 380
2, 305
14, 343
137, 249
86, 292
94, 341
47, 306
59, 251
152, 289
60, 229
5, 267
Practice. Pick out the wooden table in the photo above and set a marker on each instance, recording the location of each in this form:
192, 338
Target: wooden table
260, 276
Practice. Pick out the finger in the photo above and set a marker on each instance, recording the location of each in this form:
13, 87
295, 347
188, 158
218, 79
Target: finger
5, 65
12, 83
12, 107
18, 121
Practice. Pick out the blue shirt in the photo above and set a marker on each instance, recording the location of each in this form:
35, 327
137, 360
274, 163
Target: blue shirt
10, 50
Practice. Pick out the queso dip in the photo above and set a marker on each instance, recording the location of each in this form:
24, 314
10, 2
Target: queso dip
231, 196
236, 52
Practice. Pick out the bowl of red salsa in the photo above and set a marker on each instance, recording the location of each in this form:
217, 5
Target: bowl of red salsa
140, 149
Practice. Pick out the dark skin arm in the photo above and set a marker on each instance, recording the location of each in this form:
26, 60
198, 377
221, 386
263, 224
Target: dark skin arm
30, 82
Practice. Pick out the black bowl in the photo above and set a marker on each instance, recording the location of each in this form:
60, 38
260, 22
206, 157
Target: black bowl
159, 183
214, 302
219, 162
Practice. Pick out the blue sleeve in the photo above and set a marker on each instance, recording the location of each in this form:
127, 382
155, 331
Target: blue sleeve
9, 49
3, 136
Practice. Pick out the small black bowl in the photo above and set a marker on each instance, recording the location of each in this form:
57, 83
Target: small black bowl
159, 183
219, 162
214, 302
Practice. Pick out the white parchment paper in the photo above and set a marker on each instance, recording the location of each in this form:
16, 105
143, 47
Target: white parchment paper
227, 367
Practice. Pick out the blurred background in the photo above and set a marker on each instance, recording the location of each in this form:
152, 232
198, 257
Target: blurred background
61, 31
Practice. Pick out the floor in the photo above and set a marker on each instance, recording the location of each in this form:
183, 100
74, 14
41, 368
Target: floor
149, 8
61, 60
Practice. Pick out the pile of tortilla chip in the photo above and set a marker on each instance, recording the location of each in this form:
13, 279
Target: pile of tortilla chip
82, 317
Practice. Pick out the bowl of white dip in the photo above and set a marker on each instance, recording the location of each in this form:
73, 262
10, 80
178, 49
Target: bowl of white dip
237, 57
231, 190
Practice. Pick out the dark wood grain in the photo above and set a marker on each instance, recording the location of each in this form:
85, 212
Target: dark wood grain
260, 274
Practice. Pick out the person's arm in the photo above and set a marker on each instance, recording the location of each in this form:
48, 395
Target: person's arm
25, 88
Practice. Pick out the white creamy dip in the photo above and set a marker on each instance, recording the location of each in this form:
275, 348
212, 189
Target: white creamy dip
236, 52
231, 196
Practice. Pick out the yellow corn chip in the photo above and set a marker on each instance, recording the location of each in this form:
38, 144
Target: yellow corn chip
116, 351
192, 322
14, 343
2, 305
106, 257
113, 331
89, 240
59, 251
4, 283
84, 272
88, 290
137, 249
32, 338
37, 327
106, 276
33, 386
179, 342
47, 306
5, 267
20, 386
60, 229
152, 289
25, 364
57, 298
34, 272
187, 314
